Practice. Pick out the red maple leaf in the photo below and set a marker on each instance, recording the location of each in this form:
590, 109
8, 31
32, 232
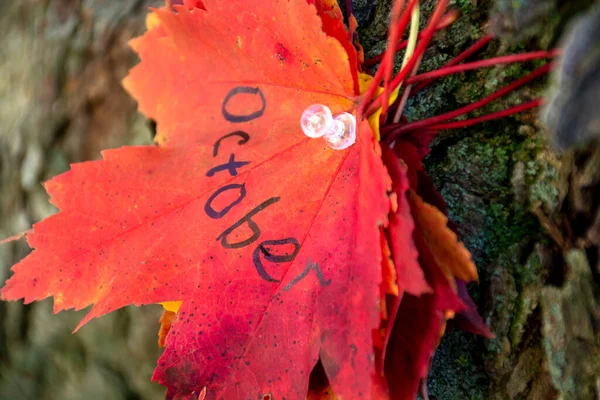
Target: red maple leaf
259, 230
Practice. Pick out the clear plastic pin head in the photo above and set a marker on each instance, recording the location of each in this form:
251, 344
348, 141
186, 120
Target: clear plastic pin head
339, 132
316, 120
345, 135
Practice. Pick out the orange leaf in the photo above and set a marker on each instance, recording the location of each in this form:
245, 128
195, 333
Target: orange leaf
449, 254
389, 284
261, 232
165, 326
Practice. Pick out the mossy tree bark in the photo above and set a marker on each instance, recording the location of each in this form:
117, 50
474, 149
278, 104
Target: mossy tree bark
512, 199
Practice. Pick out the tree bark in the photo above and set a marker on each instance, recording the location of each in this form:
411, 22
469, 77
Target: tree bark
61, 101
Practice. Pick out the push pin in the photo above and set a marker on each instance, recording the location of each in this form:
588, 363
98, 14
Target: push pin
339, 132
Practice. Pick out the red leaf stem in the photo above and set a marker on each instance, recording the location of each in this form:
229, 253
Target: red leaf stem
396, 31
456, 60
446, 21
500, 114
513, 58
421, 47
367, 96
394, 131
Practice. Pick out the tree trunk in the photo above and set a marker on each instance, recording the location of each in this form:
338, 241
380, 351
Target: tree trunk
61, 64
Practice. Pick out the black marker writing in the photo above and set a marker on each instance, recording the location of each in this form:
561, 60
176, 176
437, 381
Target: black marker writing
214, 214
266, 249
310, 266
248, 117
271, 251
245, 137
223, 237
231, 166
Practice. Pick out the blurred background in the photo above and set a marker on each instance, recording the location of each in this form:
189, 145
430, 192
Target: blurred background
527, 211
61, 63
